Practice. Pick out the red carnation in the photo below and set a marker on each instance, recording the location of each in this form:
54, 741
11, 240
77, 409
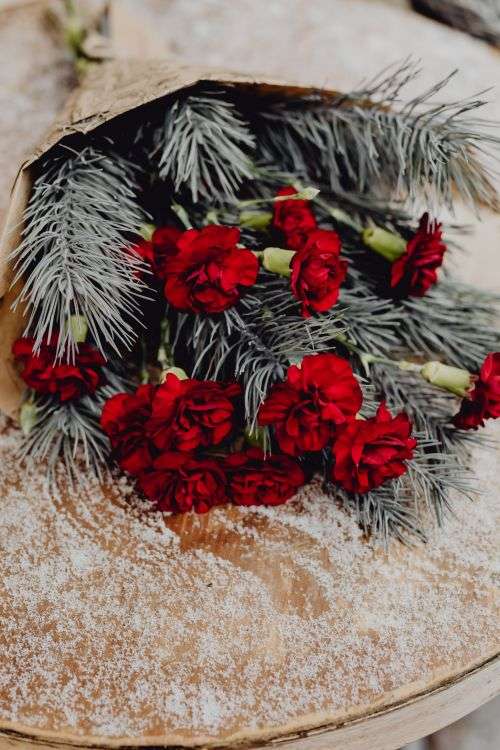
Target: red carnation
179, 482
484, 401
162, 245
189, 414
316, 397
318, 272
258, 480
416, 270
209, 270
370, 451
67, 381
124, 419
294, 218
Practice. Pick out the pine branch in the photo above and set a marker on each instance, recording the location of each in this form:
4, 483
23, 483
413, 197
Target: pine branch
73, 257
385, 513
368, 141
70, 432
480, 18
204, 145
401, 508
454, 321
442, 461
372, 323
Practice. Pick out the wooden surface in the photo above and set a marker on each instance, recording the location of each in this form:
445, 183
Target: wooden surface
266, 623
387, 729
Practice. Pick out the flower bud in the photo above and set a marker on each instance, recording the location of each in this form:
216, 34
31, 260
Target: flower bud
28, 417
79, 328
387, 244
258, 220
451, 379
177, 371
306, 194
146, 231
277, 260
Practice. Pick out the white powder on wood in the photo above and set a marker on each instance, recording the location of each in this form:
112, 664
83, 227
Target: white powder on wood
117, 621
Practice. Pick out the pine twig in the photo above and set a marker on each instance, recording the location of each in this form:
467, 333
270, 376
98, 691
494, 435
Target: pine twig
204, 145
371, 141
453, 321
74, 257
70, 432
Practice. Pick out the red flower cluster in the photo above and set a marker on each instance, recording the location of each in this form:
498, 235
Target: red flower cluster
124, 419
161, 435
368, 452
209, 270
315, 398
317, 406
416, 271
484, 401
190, 414
203, 270
46, 375
179, 482
294, 219
155, 251
256, 480
317, 269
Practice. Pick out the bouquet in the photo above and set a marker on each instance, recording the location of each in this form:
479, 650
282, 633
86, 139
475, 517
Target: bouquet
226, 288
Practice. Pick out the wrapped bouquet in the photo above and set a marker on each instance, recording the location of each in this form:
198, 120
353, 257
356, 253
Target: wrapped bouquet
226, 287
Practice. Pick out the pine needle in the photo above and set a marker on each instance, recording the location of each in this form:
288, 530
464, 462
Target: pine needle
70, 432
369, 141
204, 145
74, 257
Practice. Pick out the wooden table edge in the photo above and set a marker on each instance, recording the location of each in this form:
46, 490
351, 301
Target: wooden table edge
386, 727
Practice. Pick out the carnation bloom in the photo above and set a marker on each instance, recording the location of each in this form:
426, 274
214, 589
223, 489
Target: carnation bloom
124, 419
314, 399
258, 480
318, 272
179, 482
294, 218
189, 414
416, 270
209, 270
162, 245
484, 400
46, 375
368, 452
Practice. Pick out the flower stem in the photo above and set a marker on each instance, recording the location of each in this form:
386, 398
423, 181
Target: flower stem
182, 215
305, 194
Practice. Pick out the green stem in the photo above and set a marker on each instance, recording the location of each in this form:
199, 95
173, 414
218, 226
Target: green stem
182, 215
306, 194
367, 358
339, 215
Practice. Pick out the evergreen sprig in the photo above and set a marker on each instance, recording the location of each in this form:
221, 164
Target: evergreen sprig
74, 257
71, 432
454, 321
204, 145
369, 141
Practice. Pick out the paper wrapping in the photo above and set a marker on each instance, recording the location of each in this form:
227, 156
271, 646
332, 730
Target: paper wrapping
119, 84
